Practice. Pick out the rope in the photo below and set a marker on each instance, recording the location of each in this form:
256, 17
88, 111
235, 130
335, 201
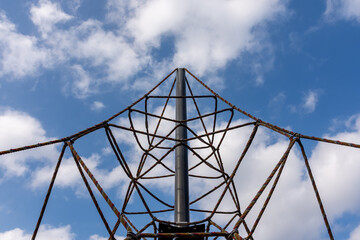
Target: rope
257, 196
102, 192
217, 226
267, 199
76, 159
31, 146
251, 138
283, 131
348, 144
316, 190
48, 192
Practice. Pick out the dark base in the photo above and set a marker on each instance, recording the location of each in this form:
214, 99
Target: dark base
167, 228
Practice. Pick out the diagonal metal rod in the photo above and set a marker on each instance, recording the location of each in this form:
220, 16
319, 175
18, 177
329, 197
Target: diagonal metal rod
182, 214
316, 190
49, 192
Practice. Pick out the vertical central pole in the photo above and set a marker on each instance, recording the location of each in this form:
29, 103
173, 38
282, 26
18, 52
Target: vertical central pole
181, 156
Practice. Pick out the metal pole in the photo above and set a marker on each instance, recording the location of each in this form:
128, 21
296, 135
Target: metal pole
181, 156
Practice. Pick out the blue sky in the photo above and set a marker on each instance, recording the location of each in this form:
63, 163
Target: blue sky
67, 65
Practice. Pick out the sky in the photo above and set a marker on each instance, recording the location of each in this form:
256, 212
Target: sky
70, 64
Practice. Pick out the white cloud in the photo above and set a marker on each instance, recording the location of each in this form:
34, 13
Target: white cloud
335, 168
83, 82
111, 55
106, 49
73, 5
97, 106
45, 232
19, 129
310, 101
68, 175
355, 234
97, 237
101, 56
46, 14
342, 9
203, 41
106, 151
20, 54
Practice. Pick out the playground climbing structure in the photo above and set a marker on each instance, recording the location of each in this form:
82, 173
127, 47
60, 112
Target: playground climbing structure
153, 127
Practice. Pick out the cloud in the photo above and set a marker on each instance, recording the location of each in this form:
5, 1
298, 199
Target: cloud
20, 55
106, 55
97, 237
180, 29
20, 129
45, 232
310, 101
335, 167
46, 14
355, 234
83, 84
342, 10
101, 55
69, 176
203, 41
120, 58
97, 106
